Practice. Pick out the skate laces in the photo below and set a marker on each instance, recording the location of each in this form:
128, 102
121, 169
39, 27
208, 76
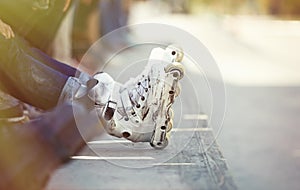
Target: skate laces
140, 92
139, 96
142, 96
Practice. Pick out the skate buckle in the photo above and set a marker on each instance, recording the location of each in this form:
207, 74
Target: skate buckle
109, 110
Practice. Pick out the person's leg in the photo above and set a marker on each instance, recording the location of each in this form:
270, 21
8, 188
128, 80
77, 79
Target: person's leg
122, 109
28, 78
54, 64
47, 143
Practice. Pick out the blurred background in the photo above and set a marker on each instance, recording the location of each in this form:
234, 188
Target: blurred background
256, 45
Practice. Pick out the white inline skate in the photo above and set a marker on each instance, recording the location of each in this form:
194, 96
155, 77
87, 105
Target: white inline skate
140, 110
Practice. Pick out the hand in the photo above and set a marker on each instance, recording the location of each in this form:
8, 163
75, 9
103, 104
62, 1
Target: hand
6, 30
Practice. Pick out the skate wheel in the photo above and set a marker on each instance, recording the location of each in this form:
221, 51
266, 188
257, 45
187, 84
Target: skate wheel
170, 122
176, 51
160, 145
178, 90
170, 125
176, 68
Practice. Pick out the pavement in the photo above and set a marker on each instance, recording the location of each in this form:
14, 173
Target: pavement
258, 146
119, 164
260, 137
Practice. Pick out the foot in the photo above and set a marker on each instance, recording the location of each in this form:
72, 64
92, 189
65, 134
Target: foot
140, 110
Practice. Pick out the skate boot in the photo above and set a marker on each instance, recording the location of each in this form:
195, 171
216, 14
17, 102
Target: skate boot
140, 110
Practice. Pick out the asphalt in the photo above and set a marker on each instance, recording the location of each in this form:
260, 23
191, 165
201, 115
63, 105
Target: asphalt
122, 165
260, 137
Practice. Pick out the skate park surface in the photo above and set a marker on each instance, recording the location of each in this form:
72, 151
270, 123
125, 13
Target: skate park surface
258, 146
